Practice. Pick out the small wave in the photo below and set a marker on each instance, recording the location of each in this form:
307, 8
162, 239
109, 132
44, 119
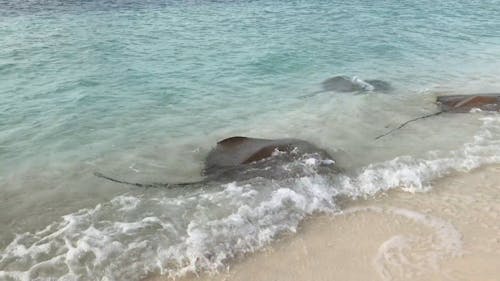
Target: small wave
415, 174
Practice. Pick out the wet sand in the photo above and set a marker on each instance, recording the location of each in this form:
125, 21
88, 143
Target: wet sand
449, 233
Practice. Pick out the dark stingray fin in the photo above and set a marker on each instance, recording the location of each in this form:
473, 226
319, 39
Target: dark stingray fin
146, 185
407, 122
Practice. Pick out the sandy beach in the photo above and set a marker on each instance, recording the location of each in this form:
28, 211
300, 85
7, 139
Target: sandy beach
451, 232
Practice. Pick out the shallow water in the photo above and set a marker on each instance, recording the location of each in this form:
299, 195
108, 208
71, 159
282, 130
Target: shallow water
143, 90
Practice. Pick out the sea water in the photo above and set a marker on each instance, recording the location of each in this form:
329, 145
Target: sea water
142, 90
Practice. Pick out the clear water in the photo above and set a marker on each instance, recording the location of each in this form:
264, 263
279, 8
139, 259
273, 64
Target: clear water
142, 90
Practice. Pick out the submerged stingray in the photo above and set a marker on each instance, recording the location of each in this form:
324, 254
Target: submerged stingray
458, 104
345, 84
354, 84
242, 158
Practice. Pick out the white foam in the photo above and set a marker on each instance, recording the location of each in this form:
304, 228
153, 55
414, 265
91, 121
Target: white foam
366, 86
310, 162
415, 174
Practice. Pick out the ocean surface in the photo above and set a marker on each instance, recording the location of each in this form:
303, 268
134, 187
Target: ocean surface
142, 90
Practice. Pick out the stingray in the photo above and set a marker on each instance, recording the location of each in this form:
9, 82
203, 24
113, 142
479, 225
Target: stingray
458, 104
464, 103
354, 84
345, 84
242, 158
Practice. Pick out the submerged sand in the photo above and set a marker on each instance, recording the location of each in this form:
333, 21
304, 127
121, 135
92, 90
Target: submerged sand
451, 232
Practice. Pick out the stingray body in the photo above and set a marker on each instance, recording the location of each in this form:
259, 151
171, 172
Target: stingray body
464, 103
354, 84
243, 158
458, 104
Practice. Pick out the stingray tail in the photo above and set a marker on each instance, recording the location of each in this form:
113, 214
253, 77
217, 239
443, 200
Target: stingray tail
312, 94
407, 122
101, 175
145, 185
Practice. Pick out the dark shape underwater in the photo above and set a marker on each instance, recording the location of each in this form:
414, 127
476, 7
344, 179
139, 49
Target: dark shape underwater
354, 84
243, 158
458, 104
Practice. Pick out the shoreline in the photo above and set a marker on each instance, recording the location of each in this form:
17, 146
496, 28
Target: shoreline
451, 232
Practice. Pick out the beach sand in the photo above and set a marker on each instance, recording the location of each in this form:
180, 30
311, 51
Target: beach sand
451, 232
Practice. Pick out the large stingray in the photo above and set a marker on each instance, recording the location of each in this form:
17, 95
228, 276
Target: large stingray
458, 104
345, 84
354, 84
243, 158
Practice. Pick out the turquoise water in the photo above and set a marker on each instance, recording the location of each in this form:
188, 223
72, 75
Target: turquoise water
142, 91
